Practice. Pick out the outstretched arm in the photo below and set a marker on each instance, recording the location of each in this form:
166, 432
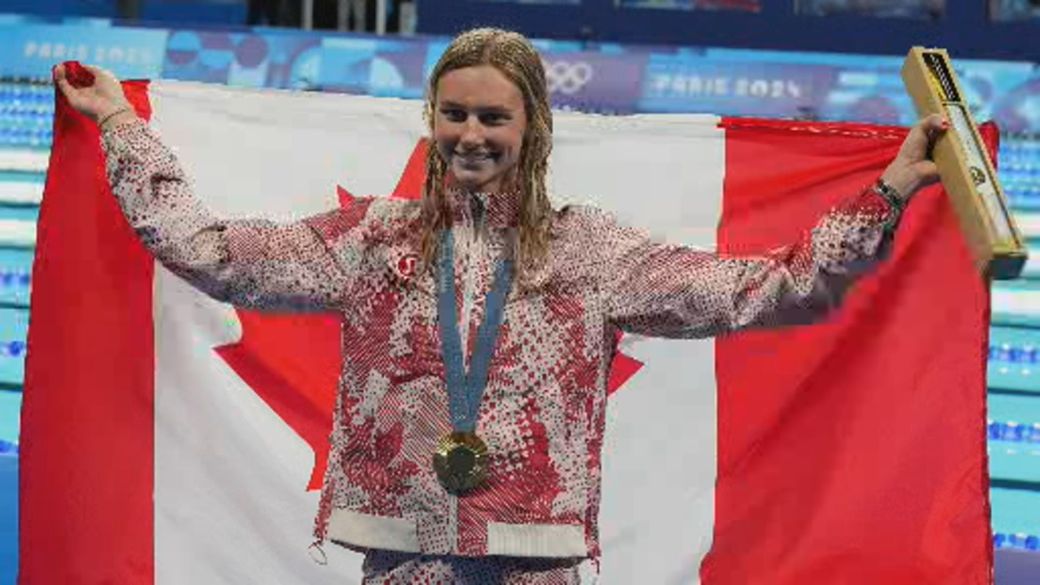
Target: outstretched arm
251, 263
673, 291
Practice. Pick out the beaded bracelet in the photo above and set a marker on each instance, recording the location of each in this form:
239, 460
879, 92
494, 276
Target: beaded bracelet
110, 115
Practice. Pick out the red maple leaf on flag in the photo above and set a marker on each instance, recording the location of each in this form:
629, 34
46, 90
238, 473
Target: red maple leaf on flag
293, 361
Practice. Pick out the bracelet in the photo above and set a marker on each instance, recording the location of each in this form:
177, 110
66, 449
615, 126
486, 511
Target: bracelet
110, 115
895, 202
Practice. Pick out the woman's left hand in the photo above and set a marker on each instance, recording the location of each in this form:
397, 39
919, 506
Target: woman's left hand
912, 168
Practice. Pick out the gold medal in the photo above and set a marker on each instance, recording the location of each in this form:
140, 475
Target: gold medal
460, 461
461, 458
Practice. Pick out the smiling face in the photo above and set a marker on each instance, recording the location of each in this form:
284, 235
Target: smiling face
479, 122
488, 112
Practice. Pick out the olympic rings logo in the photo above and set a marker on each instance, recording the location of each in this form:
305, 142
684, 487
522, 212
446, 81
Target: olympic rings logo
566, 77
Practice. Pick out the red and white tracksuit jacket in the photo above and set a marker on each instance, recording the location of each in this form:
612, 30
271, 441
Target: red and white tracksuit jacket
542, 414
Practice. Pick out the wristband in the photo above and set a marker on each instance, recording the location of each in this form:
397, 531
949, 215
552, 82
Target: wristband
896, 203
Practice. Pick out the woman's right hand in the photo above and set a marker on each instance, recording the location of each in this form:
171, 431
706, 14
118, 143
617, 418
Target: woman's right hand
97, 101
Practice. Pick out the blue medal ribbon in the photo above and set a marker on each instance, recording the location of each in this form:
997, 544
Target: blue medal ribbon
466, 388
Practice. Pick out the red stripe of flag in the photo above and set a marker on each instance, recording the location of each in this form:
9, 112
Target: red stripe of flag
854, 450
87, 440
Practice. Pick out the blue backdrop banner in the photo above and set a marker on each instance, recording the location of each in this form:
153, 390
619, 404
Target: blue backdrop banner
30, 50
606, 77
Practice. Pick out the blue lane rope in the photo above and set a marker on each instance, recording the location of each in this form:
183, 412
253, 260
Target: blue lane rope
1018, 540
1013, 432
12, 349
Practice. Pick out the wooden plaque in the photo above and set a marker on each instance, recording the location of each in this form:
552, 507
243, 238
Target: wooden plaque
964, 165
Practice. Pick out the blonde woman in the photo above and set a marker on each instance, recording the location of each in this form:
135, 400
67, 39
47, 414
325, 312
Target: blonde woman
478, 323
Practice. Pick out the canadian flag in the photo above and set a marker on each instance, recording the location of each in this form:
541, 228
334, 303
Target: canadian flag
170, 439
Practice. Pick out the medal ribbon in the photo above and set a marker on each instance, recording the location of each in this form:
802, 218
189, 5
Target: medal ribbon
466, 388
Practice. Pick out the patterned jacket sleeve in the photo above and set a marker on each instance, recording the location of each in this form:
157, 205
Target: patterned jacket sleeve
251, 263
673, 291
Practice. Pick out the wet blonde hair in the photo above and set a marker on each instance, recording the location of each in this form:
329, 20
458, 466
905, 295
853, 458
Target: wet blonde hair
516, 58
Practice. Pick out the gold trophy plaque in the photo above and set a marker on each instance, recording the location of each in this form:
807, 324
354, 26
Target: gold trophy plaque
964, 165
